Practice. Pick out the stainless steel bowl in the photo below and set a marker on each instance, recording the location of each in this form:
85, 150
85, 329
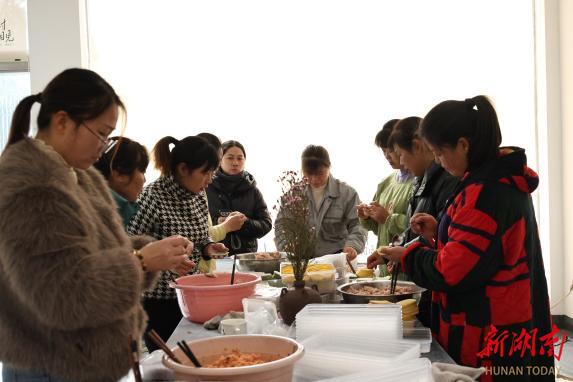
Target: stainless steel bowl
247, 262
351, 298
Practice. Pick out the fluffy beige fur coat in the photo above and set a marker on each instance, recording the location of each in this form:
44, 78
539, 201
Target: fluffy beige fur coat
70, 287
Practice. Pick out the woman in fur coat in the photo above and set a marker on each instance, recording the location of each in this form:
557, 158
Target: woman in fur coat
70, 277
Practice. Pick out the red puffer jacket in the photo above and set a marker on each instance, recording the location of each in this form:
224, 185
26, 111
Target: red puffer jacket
487, 272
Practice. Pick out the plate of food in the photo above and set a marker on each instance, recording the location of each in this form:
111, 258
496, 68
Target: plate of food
362, 292
266, 262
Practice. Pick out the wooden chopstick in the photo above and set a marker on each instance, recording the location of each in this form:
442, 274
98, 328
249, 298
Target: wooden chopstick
187, 351
233, 271
152, 334
394, 278
134, 353
350, 265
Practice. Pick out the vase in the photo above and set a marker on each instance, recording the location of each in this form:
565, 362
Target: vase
292, 300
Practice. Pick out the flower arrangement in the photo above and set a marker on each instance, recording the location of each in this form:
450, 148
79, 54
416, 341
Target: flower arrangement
296, 233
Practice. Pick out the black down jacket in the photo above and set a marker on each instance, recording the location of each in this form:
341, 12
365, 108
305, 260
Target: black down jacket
239, 192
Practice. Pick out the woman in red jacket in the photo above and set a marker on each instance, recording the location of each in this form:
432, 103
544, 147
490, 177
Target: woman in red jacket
482, 260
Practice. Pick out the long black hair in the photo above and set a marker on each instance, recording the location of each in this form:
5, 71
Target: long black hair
404, 133
81, 93
474, 119
227, 145
195, 152
381, 139
212, 139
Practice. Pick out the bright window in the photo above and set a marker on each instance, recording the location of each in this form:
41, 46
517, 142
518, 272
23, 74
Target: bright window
277, 76
13, 87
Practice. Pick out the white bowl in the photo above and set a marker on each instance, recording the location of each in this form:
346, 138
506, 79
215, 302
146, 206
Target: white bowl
280, 370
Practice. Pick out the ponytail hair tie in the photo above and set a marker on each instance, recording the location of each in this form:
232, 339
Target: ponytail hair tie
470, 104
39, 97
173, 141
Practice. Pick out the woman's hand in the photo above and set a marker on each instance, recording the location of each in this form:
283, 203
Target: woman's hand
215, 248
390, 266
378, 213
234, 221
185, 267
350, 253
425, 225
374, 260
363, 211
165, 254
393, 254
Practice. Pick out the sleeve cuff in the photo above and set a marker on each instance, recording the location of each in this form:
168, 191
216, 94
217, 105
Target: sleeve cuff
411, 248
217, 232
140, 241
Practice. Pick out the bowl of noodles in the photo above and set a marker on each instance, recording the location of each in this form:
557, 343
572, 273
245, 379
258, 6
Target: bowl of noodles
238, 358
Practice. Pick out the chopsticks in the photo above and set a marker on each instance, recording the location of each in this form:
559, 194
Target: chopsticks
152, 334
134, 353
350, 265
394, 278
187, 351
233, 271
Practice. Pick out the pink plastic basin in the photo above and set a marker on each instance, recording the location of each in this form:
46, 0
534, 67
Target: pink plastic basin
202, 298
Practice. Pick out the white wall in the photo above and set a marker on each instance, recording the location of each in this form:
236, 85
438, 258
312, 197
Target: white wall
549, 138
57, 38
566, 48
554, 91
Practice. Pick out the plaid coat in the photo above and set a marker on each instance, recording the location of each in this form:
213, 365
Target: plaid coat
167, 209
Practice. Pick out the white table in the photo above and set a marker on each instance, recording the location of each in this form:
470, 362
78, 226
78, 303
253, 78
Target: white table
153, 370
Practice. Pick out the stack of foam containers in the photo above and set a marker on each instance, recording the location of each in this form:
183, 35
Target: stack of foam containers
419, 335
380, 322
342, 340
412, 370
327, 356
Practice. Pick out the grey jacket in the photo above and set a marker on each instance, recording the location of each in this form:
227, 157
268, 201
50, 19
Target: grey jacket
70, 287
336, 221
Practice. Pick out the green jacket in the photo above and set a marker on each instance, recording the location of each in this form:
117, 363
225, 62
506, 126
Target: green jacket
393, 195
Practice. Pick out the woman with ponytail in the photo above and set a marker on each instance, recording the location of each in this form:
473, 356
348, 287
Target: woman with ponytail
71, 279
175, 204
482, 259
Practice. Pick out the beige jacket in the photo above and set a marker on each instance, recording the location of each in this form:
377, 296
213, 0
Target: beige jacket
69, 285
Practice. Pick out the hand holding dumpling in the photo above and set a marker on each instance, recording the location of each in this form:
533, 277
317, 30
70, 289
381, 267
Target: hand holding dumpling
168, 253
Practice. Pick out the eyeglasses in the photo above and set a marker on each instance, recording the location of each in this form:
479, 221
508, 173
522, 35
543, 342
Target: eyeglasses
108, 143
